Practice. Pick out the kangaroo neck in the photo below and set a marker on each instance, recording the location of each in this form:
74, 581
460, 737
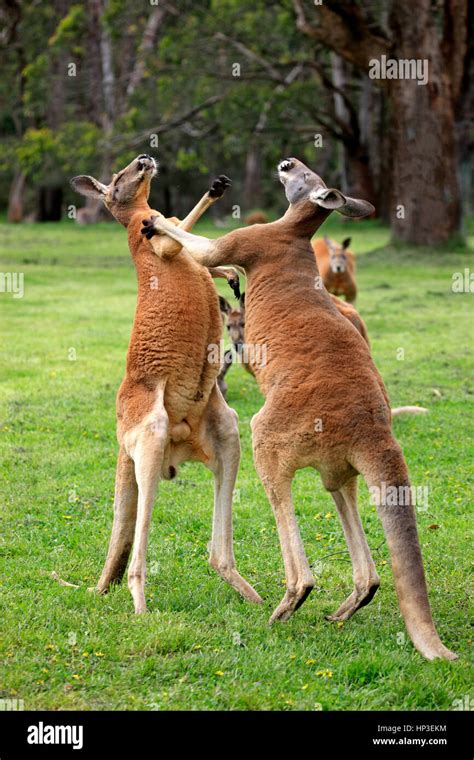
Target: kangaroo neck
304, 218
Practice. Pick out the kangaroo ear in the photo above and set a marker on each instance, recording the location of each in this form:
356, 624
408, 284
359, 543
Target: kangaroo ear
224, 305
88, 186
327, 197
356, 207
330, 198
346, 243
242, 301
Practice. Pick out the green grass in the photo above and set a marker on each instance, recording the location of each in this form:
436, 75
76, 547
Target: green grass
200, 646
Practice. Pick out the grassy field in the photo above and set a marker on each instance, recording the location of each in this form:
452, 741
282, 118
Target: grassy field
200, 646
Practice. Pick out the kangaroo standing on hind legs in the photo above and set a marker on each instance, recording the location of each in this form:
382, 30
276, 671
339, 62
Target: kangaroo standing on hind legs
169, 409
323, 380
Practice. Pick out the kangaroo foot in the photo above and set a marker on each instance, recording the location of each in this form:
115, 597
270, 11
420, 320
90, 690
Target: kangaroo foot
359, 598
234, 579
291, 601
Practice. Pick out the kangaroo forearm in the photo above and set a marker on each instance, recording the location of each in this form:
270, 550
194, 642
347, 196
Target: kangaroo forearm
199, 209
212, 253
165, 247
225, 273
200, 248
168, 248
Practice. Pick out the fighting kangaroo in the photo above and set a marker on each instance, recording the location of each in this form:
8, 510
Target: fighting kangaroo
326, 406
169, 409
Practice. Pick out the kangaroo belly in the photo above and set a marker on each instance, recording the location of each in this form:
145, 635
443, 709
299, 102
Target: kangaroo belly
175, 336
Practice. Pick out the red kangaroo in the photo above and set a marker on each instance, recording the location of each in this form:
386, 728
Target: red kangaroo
326, 405
336, 264
169, 409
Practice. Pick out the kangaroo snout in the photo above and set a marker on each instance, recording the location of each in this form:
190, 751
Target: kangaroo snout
146, 162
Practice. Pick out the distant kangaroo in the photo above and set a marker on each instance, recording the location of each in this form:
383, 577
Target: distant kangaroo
336, 264
169, 409
234, 319
326, 406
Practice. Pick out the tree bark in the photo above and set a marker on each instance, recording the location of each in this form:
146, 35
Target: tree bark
425, 178
253, 175
50, 204
357, 179
342, 112
16, 198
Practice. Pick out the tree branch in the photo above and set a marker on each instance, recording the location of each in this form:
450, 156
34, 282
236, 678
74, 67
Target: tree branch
155, 20
343, 28
11, 15
274, 73
139, 137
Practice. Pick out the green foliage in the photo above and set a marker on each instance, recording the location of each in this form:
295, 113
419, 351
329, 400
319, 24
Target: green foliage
188, 160
37, 151
186, 65
44, 155
36, 86
69, 27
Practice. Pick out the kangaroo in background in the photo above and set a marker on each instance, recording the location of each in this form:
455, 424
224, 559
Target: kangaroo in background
169, 409
336, 264
256, 217
234, 320
326, 405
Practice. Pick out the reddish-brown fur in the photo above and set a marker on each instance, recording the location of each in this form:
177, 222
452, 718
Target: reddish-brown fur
326, 405
234, 319
350, 312
168, 406
256, 217
336, 264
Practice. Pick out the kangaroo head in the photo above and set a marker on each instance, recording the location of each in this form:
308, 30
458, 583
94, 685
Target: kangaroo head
303, 185
337, 254
127, 191
235, 319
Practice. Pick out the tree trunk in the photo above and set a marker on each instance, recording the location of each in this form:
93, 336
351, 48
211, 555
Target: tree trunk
16, 198
340, 108
426, 207
360, 180
252, 184
50, 204
425, 194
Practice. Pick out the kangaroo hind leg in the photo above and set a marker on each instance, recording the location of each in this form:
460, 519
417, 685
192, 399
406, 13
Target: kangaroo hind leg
277, 484
366, 580
125, 514
148, 455
221, 438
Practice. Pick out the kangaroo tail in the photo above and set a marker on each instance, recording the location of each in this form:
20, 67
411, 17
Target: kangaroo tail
409, 410
386, 475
